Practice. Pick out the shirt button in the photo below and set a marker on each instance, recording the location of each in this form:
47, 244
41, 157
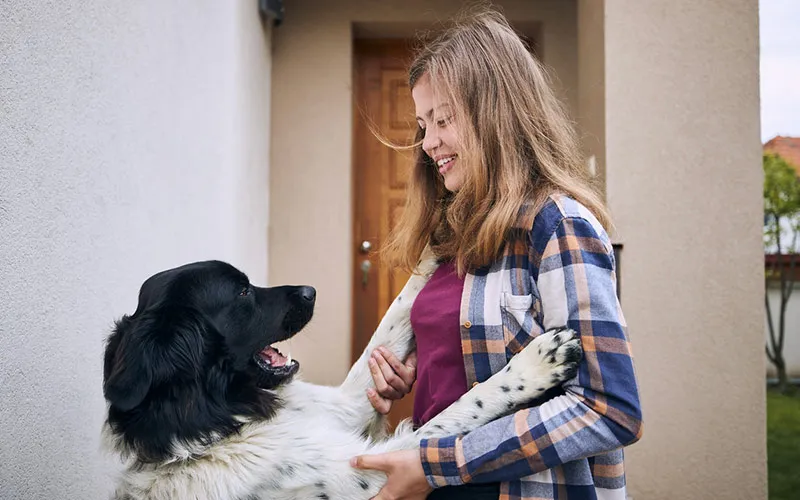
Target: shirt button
467, 324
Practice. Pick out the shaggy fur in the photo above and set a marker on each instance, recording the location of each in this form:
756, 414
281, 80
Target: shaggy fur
200, 407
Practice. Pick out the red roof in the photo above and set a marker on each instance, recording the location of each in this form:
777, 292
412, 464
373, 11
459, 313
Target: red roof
787, 148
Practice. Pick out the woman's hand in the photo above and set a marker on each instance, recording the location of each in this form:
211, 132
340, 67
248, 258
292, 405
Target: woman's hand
405, 478
393, 379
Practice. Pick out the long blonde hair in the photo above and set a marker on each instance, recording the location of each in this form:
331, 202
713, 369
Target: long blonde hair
517, 147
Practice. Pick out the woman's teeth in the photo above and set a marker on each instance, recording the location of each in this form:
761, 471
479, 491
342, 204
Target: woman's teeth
445, 161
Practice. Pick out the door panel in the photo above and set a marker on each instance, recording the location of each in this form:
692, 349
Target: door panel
380, 176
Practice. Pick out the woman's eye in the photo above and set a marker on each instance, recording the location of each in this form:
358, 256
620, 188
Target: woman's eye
443, 122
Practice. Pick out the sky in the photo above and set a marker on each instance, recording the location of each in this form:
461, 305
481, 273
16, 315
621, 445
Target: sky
780, 68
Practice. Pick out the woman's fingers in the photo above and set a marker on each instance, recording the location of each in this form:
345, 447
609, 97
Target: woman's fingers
382, 385
394, 375
406, 371
381, 405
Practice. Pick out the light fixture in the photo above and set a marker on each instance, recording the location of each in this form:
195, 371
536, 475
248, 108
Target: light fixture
271, 9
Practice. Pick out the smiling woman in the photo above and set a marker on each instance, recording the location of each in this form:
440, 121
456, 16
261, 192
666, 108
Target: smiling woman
500, 193
440, 134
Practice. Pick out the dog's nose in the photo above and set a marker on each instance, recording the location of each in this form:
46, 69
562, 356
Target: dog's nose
308, 293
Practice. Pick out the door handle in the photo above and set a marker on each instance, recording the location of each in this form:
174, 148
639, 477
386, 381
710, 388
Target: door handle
366, 265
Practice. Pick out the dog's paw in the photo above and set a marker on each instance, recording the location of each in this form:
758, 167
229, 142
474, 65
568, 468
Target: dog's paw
552, 357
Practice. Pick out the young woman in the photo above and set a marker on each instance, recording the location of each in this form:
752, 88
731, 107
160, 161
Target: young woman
500, 193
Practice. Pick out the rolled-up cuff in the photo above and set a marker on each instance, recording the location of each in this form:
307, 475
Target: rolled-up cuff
438, 456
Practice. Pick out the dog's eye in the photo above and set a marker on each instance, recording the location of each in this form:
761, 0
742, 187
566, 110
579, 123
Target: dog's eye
245, 291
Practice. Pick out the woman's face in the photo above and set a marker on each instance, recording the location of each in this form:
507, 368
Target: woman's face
440, 142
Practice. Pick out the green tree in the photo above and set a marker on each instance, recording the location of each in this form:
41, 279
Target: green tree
781, 229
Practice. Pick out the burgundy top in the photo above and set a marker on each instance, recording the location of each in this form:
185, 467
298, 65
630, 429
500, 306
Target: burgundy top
441, 377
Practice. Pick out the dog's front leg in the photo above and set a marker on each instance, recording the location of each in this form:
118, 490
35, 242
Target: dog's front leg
394, 332
549, 360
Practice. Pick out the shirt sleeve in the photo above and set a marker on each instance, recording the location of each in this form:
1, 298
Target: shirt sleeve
600, 409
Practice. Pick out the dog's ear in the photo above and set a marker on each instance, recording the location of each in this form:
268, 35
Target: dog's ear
121, 387
150, 348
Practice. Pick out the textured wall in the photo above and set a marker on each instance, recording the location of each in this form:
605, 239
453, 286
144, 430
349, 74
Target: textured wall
134, 138
684, 182
311, 205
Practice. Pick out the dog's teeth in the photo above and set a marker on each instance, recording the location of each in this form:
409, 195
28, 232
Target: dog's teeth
289, 359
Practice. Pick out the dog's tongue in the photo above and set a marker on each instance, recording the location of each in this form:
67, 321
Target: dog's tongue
273, 356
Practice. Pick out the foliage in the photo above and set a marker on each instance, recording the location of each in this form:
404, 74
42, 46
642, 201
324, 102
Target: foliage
781, 229
783, 445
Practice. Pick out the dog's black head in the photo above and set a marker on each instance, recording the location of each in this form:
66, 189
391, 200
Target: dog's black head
195, 360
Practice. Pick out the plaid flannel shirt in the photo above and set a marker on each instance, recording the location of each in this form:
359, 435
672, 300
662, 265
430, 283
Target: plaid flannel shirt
558, 270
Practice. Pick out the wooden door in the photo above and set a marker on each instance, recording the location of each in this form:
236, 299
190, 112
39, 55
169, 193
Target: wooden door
382, 97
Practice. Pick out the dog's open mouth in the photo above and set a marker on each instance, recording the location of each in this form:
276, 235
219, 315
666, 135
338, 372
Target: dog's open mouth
271, 358
275, 367
274, 357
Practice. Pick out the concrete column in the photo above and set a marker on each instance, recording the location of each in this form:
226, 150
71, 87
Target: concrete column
683, 177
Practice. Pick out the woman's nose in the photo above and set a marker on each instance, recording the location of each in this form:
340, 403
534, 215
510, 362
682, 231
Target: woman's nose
430, 142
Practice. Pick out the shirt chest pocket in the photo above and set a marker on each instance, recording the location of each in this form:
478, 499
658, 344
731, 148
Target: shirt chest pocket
520, 319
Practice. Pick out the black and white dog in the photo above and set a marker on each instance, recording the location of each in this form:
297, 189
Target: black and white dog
201, 406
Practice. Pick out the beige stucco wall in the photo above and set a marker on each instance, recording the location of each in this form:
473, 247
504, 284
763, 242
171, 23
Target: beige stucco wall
684, 183
311, 176
133, 138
